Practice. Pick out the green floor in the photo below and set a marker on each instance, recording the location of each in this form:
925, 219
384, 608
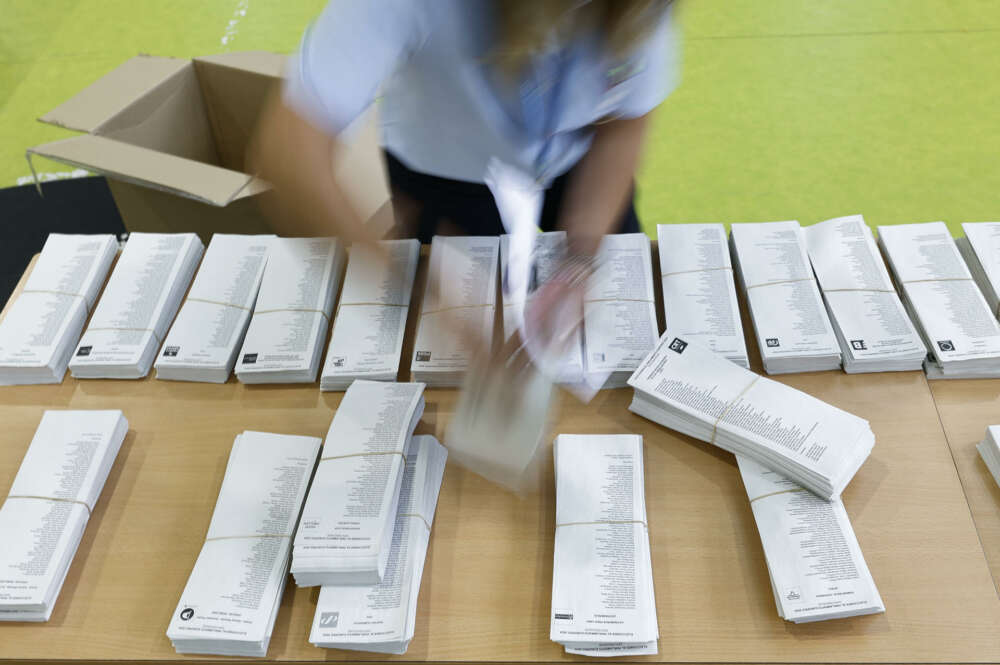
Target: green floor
789, 109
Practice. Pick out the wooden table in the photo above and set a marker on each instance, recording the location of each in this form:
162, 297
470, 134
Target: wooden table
486, 590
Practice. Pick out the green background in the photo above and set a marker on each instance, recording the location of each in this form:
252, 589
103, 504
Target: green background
788, 109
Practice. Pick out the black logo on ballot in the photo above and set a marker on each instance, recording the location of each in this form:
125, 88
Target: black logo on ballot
186, 614
946, 345
678, 345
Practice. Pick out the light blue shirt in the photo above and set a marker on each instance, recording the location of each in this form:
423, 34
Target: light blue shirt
445, 110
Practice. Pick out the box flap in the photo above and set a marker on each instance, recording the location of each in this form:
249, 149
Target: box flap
113, 92
259, 62
159, 170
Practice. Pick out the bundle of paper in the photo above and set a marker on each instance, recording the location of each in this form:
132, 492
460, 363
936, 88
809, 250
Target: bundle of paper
44, 323
688, 388
287, 332
699, 293
460, 293
981, 250
346, 528
619, 315
989, 450
49, 504
232, 596
874, 331
208, 331
602, 575
139, 302
813, 559
943, 300
368, 330
381, 617
794, 333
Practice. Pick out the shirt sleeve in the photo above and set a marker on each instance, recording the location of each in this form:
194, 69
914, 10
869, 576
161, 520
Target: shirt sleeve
345, 56
657, 63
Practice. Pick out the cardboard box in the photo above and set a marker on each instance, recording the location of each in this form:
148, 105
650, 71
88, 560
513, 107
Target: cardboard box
171, 136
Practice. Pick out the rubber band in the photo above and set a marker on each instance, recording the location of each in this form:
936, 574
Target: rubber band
590, 300
86, 306
685, 272
715, 425
250, 535
419, 517
783, 281
292, 309
51, 498
603, 522
944, 279
859, 290
382, 452
764, 496
446, 309
219, 302
149, 330
371, 304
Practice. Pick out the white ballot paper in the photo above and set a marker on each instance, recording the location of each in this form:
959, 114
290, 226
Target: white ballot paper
138, 304
208, 331
619, 315
981, 250
686, 387
381, 617
699, 293
794, 333
813, 558
874, 331
287, 331
367, 337
43, 324
347, 522
602, 574
232, 596
461, 289
989, 450
49, 504
944, 301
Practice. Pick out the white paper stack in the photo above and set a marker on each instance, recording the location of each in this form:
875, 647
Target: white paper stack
794, 333
460, 291
619, 314
874, 331
49, 504
367, 337
232, 596
208, 331
688, 388
943, 300
989, 450
381, 617
815, 564
43, 325
347, 522
287, 332
699, 293
981, 250
602, 575
139, 302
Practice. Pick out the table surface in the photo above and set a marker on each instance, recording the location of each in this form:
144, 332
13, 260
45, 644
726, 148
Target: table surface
486, 589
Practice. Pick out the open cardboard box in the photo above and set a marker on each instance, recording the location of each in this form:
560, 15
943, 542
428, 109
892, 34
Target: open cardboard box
171, 136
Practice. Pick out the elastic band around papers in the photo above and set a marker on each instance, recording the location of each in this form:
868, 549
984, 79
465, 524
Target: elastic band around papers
50, 498
382, 452
685, 272
715, 425
945, 279
419, 517
788, 491
603, 522
859, 290
783, 281
251, 535
149, 330
370, 304
292, 309
219, 302
587, 300
61, 293
446, 309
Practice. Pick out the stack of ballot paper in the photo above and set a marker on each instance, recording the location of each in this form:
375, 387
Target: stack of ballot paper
139, 302
287, 332
460, 293
686, 387
346, 528
381, 617
602, 575
874, 331
207, 334
943, 300
232, 596
367, 337
989, 450
794, 333
814, 562
44, 323
48, 506
699, 294
619, 315
981, 249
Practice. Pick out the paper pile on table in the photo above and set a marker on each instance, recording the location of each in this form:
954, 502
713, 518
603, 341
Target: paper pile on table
43, 324
347, 522
699, 293
232, 596
367, 337
989, 450
981, 250
207, 334
139, 302
874, 331
284, 342
49, 504
815, 564
381, 617
688, 388
794, 333
602, 575
943, 300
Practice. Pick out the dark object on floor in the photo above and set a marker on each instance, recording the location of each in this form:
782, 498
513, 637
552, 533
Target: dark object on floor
80, 205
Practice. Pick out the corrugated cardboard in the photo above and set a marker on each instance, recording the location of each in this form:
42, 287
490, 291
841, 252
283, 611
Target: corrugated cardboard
171, 136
